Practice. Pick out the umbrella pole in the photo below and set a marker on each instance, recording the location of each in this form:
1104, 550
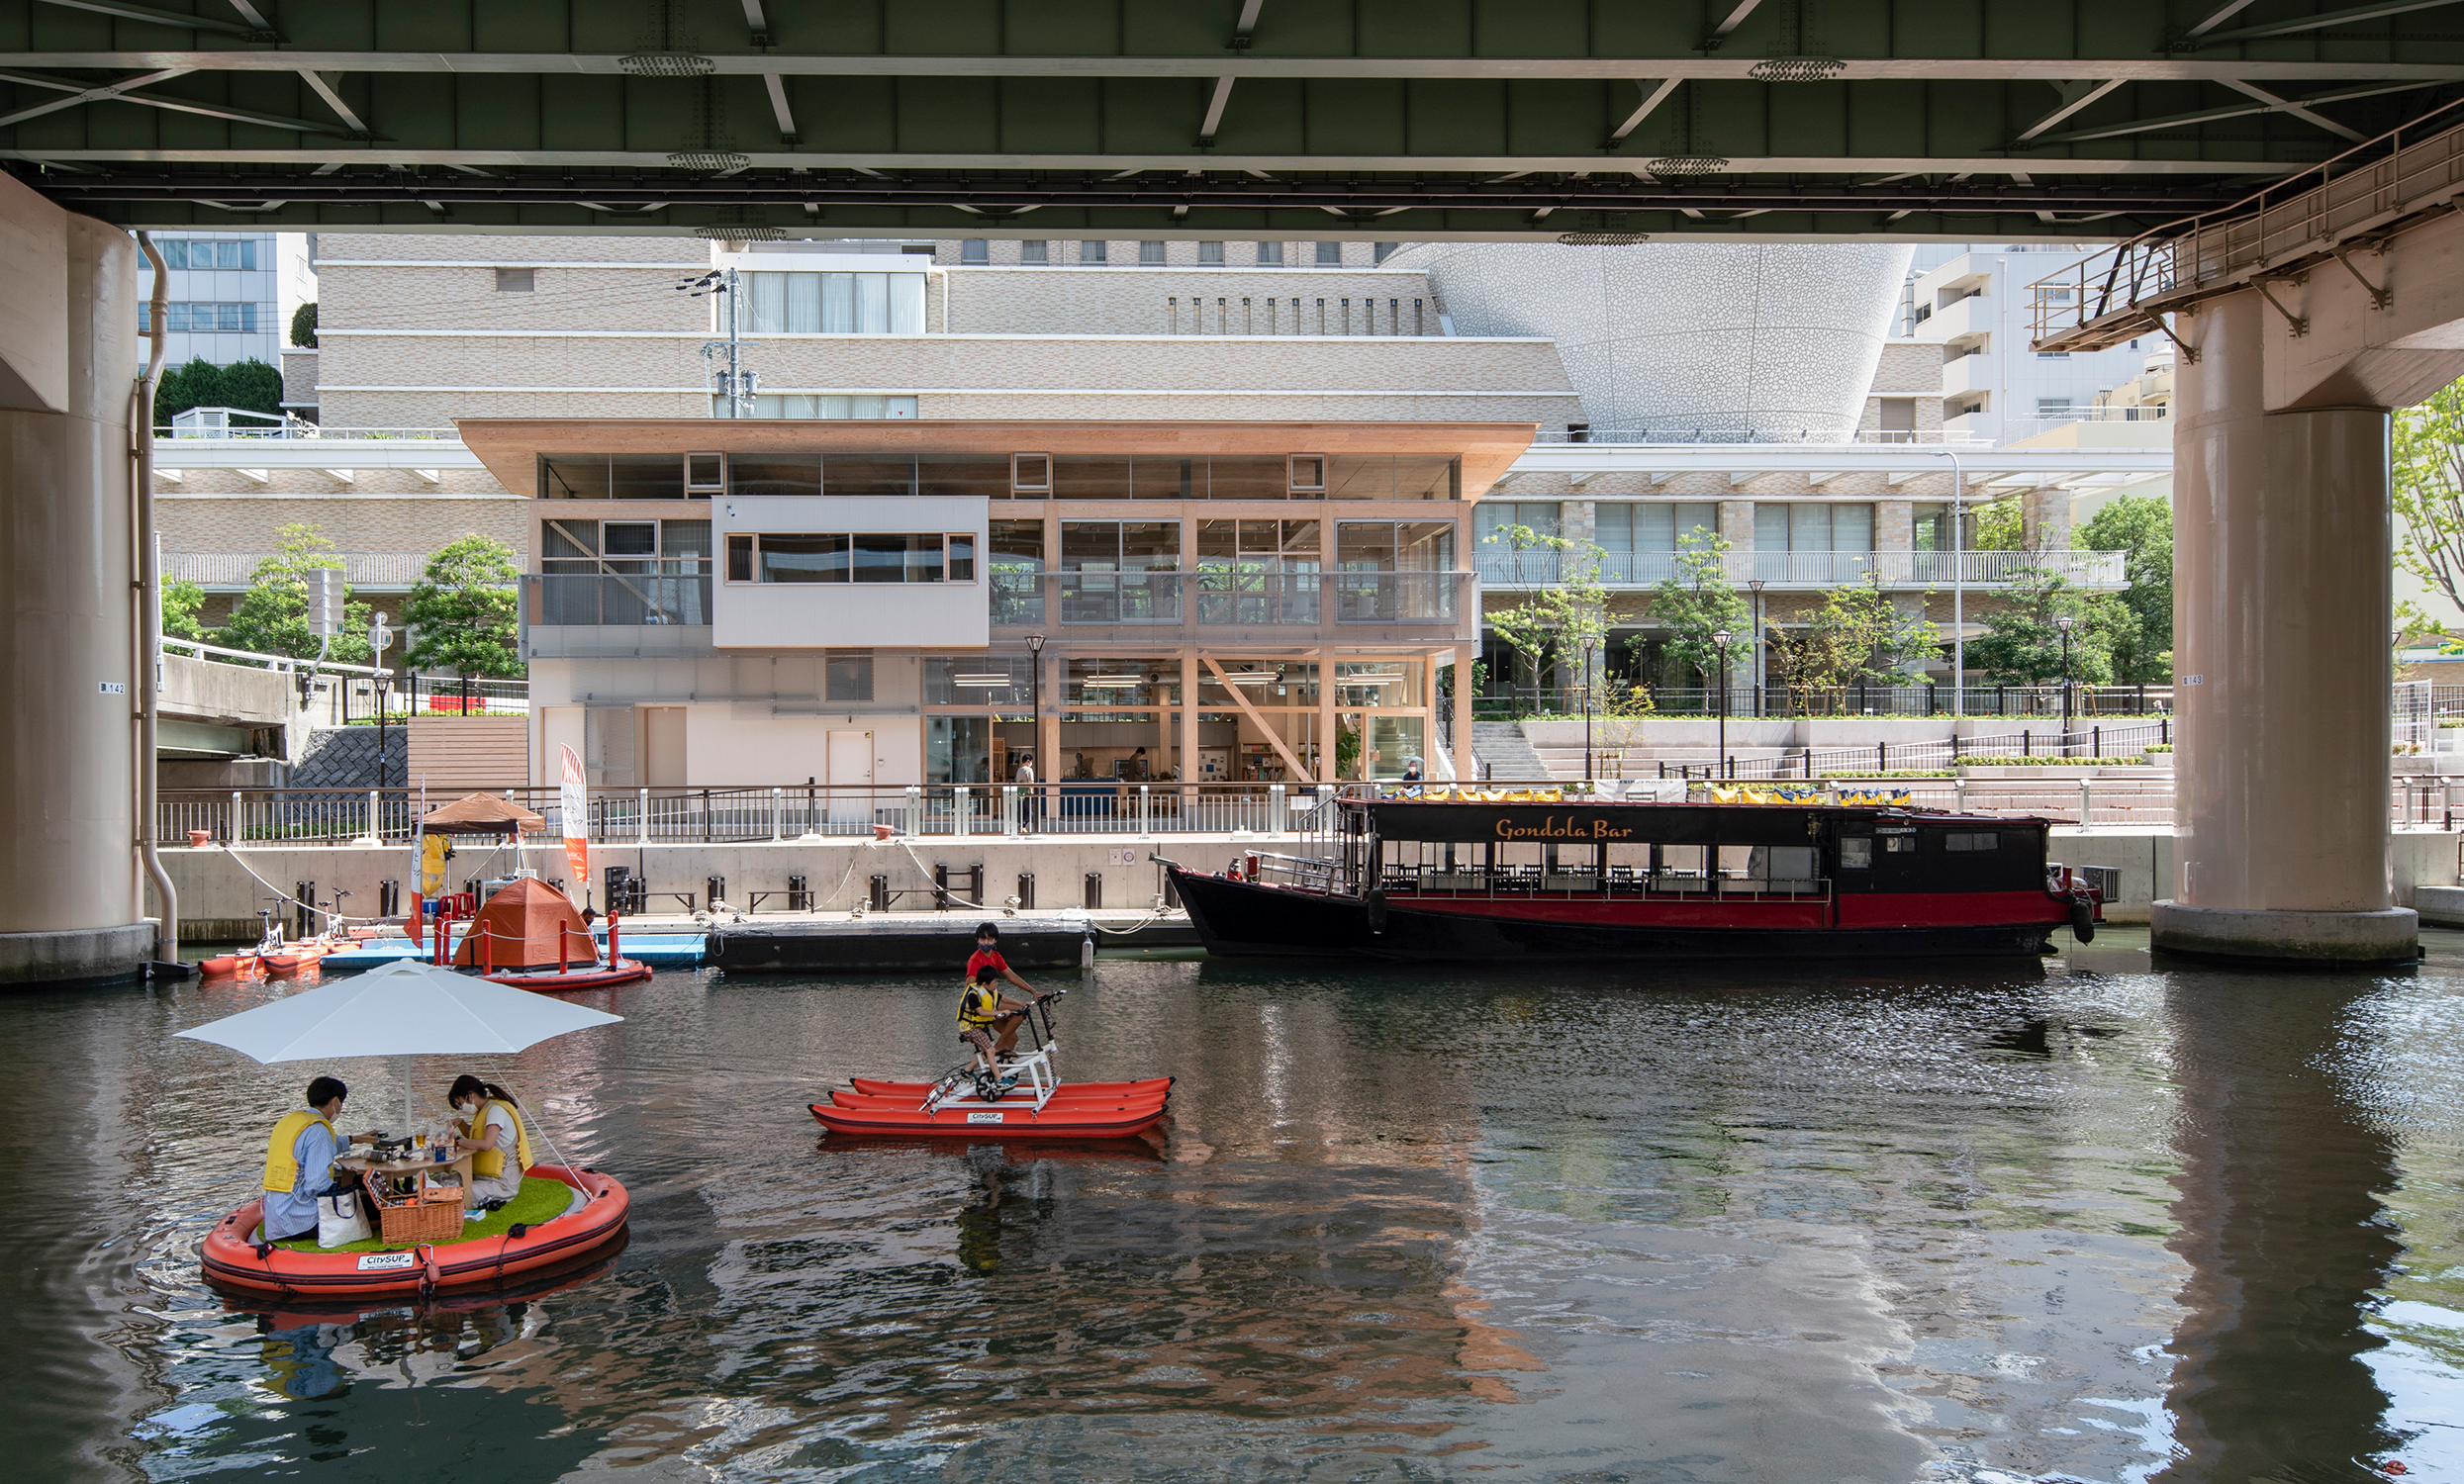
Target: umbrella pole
406, 1095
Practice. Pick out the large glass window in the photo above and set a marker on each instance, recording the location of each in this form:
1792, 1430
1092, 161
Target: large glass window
861, 556
764, 473
1541, 516
835, 304
1810, 525
1018, 560
624, 572
192, 253
1121, 571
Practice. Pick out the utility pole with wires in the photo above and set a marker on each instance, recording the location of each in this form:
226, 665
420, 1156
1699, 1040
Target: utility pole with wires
735, 383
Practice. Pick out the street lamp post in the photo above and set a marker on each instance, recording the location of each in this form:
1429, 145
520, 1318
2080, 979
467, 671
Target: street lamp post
1586, 711
2065, 623
1035, 721
1755, 584
1721, 639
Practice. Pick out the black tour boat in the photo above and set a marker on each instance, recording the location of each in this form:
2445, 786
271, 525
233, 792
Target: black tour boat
1438, 873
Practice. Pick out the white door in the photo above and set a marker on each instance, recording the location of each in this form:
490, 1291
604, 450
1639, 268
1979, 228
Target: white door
850, 761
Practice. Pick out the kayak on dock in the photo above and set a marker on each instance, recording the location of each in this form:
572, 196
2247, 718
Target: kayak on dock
593, 1217
1020, 1098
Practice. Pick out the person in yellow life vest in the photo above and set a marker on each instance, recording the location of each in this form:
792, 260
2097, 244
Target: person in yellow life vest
299, 1160
983, 1009
492, 1127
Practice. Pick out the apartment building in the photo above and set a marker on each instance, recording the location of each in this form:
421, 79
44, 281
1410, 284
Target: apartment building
226, 297
723, 603
1978, 309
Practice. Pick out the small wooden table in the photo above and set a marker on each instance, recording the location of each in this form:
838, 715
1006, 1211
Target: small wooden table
368, 1164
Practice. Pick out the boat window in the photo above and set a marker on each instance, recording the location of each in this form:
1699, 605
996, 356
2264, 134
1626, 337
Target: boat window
1979, 840
1857, 854
1899, 845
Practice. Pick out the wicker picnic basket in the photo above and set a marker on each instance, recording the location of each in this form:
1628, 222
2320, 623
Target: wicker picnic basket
433, 1213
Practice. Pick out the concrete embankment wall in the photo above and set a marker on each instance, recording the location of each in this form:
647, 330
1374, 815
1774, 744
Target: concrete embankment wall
219, 899
2144, 856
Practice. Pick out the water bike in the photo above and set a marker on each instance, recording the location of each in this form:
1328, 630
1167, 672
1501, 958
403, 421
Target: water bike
593, 1217
983, 1098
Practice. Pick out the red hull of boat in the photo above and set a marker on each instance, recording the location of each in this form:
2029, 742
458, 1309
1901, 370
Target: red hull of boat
232, 1261
1059, 1120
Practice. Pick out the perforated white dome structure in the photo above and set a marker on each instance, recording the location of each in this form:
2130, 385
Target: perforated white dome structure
1737, 342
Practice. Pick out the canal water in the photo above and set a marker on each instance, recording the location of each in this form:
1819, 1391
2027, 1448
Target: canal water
2088, 1221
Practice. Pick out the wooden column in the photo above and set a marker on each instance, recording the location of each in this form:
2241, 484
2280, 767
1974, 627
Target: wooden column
1188, 715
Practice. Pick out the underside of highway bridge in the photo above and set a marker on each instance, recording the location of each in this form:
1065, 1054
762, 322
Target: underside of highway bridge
1588, 120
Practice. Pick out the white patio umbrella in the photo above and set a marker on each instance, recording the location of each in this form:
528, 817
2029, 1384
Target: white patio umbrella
404, 1009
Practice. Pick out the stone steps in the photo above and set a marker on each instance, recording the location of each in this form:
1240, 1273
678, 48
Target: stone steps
1507, 755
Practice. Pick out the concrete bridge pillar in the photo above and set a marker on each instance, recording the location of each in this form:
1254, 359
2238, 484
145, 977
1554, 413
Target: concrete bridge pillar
2282, 594
71, 903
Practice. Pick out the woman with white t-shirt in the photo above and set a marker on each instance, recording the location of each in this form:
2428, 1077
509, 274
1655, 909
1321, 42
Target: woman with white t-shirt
492, 1130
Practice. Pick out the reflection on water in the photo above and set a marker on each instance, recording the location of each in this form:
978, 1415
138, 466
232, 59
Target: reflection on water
2088, 1221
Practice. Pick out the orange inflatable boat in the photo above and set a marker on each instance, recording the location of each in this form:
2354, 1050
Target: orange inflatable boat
234, 1260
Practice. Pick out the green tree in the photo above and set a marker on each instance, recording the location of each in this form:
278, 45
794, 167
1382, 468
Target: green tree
2141, 528
304, 326
252, 386
180, 603
1858, 636
465, 610
1697, 601
1561, 607
197, 384
2000, 526
2022, 642
271, 617
2429, 498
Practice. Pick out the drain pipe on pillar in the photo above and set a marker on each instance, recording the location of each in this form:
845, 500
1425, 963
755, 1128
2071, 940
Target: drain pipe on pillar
149, 610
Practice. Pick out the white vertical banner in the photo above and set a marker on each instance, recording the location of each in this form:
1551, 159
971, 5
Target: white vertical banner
575, 802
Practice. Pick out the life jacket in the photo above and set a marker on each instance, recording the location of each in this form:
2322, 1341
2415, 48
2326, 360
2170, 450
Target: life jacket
979, 1006
490, 1162
282, 1168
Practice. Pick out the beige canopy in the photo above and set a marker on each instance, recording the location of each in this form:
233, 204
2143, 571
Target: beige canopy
481, 814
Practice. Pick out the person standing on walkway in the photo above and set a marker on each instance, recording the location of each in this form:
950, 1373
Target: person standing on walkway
1026, 793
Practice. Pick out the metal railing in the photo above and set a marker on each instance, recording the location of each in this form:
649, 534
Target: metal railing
238, 569
638, 816
1431, 605
293, 429
1779, 703
2302, 218
1817, 569
1672, 433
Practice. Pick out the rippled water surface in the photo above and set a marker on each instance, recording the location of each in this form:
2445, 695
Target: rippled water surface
2091, 1221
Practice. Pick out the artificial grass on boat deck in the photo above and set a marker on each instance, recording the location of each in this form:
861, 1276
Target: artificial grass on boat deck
541, 1199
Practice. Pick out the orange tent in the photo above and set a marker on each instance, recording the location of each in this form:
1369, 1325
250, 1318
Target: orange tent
521, 925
